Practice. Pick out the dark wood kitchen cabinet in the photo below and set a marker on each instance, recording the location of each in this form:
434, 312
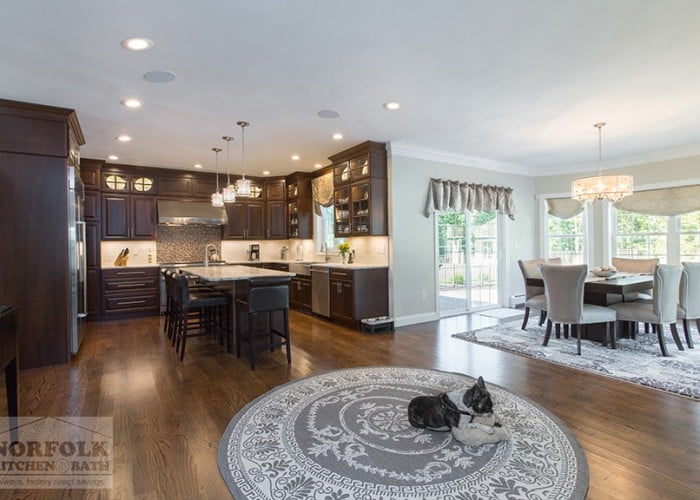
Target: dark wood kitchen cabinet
299, 206
130, 290
356, 294
126, 217
360, 184
38, 144
276, 220
246, 220
300, 293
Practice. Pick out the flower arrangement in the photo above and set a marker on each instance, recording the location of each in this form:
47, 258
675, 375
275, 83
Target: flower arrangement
344, 250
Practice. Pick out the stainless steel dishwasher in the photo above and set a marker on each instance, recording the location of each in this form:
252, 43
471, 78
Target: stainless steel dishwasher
320, 291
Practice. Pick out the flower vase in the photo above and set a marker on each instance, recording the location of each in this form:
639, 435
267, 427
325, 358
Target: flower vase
342, 257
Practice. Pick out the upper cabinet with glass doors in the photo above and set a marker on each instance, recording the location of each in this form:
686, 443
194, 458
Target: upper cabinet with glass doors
128, 183
360, 186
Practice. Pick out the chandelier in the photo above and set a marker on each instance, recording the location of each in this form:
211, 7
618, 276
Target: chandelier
229, 190
217, 199
602, 187
243, 185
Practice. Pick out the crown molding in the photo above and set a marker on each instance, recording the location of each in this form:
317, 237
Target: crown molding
419, 153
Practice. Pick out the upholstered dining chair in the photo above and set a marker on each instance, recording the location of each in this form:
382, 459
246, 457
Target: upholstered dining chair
663, 308
534, 295
635, 266
689, 299
564, 291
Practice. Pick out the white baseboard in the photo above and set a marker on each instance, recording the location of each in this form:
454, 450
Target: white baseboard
415, 319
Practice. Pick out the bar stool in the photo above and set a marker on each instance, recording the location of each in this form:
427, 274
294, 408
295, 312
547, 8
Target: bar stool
210, 311
266, 296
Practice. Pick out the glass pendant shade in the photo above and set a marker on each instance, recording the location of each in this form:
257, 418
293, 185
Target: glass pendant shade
602, 187
243, 187
217, 199
229, 194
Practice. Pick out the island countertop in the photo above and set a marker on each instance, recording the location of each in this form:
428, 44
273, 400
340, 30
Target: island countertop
232, 273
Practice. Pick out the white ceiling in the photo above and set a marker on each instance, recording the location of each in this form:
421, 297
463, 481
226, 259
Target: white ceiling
508, 84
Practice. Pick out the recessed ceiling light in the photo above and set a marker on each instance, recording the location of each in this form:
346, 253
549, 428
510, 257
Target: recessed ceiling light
328, 113
337, 136
159, 76
266, 172
392, 106
318, 165
137, 43
113, 157
197, 165
295, 157
123, 138
131, 103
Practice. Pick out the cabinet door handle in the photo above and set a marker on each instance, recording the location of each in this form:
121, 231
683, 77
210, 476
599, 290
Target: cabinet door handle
130, 302
131, 285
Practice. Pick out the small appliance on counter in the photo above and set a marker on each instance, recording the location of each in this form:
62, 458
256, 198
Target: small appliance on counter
283, 252
254, 252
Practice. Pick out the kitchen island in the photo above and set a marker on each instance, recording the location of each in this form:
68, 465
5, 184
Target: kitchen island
237, 277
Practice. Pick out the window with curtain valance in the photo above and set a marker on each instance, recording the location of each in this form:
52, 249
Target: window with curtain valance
444, 195
322, 192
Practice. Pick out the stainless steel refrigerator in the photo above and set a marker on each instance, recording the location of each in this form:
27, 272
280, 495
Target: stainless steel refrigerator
77, 258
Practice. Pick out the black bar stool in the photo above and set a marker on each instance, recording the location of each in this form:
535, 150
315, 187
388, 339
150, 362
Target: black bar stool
266, 296
209, 309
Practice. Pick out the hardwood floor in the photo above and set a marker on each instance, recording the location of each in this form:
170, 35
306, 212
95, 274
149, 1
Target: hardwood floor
169, 416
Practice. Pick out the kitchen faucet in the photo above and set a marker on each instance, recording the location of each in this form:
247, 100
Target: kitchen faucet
324, 249
215, 255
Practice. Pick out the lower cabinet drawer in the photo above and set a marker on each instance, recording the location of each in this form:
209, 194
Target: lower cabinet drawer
131, 302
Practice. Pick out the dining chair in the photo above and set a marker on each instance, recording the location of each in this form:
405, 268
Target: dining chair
689, 299
634, 266
563, 287
663, 308
534, 295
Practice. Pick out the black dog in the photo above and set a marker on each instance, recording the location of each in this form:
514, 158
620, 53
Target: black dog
442, 412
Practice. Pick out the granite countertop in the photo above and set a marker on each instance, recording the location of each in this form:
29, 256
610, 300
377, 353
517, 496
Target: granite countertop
359, 265
232, 272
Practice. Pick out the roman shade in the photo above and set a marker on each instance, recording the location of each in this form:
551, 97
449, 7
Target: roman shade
564, 208
460, 196
666, 201
322, 192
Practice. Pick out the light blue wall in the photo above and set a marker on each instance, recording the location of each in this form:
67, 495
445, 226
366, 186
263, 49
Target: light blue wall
412, 240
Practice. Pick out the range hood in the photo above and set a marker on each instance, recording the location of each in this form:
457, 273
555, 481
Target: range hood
190, 212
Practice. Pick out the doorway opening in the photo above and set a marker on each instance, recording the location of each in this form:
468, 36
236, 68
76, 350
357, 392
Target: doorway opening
468, 260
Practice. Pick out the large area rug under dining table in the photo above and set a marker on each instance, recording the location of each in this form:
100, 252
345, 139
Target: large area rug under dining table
345, 435
638, 361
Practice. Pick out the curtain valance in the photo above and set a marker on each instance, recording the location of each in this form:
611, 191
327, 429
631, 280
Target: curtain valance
564, 208
322, 192
460, 196
666, 201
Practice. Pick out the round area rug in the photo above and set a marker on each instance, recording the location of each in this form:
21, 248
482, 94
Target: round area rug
345, 435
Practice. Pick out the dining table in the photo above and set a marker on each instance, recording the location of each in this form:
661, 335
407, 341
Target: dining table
234, 278
603, 291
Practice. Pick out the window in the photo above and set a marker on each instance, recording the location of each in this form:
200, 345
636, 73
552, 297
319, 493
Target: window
639, 236
324, 230
565, 238
690, 237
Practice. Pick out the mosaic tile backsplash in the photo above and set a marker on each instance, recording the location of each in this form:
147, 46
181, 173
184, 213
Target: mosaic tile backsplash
186, 243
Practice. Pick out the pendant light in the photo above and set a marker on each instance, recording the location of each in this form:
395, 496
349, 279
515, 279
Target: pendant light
602, 187
243, 185
217, 199
229, 189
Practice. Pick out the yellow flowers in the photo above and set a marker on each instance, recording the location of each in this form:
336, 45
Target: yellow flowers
344, 248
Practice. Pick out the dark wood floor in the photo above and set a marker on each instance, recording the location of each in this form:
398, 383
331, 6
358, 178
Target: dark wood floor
169, 416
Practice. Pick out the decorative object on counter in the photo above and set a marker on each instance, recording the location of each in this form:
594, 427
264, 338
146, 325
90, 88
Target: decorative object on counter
299, 252
217, 199
122, 258
351, 257
283, 252
343, 250
344, 434
243, 184
229, 190
602, 187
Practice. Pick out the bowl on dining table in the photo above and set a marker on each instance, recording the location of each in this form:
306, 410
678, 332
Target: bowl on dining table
604, 272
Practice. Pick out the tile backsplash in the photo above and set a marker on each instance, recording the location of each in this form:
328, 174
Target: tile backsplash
186, 243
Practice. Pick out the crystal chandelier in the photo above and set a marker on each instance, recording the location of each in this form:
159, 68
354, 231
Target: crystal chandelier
217, 199
229, 189
602, 187
243, 185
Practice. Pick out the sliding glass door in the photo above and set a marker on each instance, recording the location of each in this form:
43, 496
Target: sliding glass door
467, 264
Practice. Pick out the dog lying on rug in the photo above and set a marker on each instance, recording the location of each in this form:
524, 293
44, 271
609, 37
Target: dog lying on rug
467, 413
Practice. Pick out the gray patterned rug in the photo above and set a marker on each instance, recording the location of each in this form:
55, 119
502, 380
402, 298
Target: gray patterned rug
345, 435
638, 361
